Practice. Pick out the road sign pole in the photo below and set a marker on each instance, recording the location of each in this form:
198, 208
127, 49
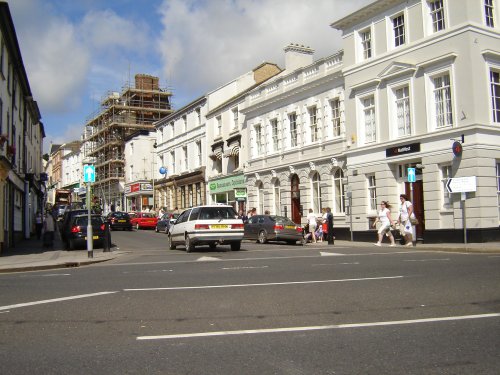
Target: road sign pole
90, 240
464, 216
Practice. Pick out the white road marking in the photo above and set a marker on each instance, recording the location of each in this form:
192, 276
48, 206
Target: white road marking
47, 275
56, 274
333, 264
263, 284
426, 260
206, 259
243, 268
153, 271
317, 328
2, 308
324, 254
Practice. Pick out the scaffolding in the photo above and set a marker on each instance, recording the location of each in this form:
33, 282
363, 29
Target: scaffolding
136, 108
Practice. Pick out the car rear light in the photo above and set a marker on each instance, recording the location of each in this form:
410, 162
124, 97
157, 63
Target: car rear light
237, 226
201, 226
103, 227
75, 229
299, 229
279, 227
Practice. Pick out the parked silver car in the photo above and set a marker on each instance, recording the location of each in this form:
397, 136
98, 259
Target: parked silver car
263, 228
206, 225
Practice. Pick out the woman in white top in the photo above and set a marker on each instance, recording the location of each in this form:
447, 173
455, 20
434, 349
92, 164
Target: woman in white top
313, 223
384, 217
405, 213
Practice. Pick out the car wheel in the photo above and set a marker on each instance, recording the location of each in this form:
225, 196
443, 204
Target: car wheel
262, 237
72, 245
171, 246
189, 244
235, 246
212, 246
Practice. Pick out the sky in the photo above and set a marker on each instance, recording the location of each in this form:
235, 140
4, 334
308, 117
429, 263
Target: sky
77, 51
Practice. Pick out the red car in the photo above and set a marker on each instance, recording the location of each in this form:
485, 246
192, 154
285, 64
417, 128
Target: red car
141, 220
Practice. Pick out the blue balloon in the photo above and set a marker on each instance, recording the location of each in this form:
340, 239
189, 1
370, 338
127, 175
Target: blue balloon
163, 170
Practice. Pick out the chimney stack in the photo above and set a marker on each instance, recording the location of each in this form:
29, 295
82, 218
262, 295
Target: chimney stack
297, 56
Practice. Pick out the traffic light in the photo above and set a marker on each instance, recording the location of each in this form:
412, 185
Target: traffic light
457, 149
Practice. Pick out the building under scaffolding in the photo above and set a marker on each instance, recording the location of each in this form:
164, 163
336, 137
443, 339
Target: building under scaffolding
121, 114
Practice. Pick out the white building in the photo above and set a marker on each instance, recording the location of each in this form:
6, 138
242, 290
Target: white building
226, 137
296, 133
141, 166
21, 141
198, 146
181, 143
418, 75
413, 77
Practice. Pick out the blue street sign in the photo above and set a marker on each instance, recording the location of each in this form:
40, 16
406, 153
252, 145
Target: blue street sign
88, 173
411, 175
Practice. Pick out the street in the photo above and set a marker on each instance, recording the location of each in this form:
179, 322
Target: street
267, 309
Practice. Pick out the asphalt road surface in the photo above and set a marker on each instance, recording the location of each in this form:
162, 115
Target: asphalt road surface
267, 309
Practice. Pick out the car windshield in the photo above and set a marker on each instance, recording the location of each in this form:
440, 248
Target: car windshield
121, 215
207, 213
147, 215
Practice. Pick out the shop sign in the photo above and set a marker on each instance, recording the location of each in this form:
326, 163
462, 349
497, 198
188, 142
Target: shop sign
135, 187
127, 189
240, 194
402, 150
227, 184
146, 187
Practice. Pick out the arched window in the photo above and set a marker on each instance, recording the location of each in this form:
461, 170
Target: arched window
277, 198
316, 192
260, 203
338, 191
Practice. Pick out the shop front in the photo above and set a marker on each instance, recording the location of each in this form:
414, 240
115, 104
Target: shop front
139, 196
229, 190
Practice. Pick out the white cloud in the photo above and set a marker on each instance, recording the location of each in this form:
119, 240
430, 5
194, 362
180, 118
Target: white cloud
205, 44
105, 29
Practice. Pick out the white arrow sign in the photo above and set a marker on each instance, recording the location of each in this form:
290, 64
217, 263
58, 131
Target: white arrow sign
461, 184
88, 173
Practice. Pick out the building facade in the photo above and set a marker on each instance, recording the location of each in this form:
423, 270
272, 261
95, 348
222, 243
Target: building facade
296, 137
181, 150
21, 141
226, 137
413, 78
420, 75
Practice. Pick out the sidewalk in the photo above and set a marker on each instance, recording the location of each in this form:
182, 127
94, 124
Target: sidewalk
486, 247
30, 255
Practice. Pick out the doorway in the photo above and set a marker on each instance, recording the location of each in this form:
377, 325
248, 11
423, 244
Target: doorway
418, 205
295, 190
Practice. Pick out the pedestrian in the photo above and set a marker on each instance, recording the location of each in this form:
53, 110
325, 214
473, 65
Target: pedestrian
267, 212
329, 226
405, 213
313, 223
38, 224
48, 230
242, 216
253, 211
385, 220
